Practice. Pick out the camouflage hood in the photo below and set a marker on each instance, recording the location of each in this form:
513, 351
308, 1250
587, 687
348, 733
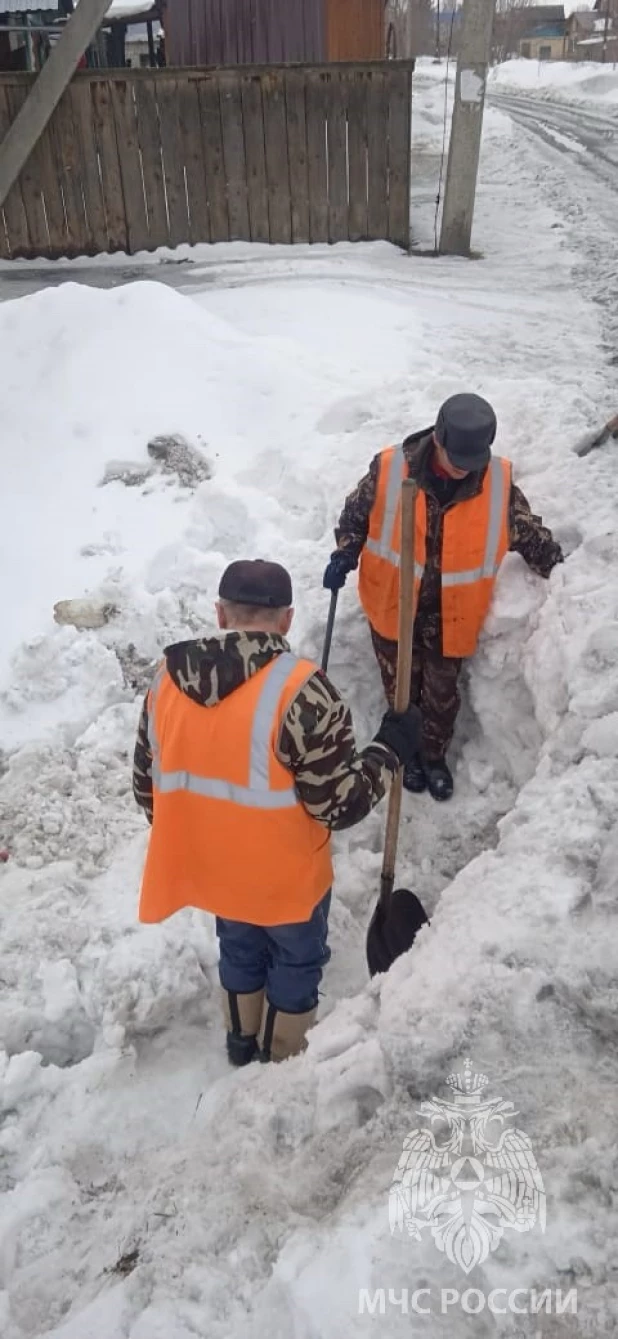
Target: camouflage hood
210, 669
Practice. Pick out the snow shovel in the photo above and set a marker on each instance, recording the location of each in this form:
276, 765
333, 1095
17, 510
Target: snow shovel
398, 915
328, 635
590, 440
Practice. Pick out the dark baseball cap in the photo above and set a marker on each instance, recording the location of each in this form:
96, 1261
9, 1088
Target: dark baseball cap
466, 428
266, 585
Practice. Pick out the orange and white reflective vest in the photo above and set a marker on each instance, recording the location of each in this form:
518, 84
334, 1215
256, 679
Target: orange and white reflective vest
229, 834
475, 539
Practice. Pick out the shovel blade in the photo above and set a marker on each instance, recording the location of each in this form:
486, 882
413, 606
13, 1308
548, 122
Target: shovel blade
393, 929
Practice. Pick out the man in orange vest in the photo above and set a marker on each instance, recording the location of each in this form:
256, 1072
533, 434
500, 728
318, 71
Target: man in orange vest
245, 762
469, 514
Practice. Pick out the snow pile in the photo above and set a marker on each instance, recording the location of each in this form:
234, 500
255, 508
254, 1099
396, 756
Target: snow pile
586, 81
147, 1192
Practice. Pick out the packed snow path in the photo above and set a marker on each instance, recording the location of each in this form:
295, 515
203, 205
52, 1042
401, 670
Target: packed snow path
147, 1192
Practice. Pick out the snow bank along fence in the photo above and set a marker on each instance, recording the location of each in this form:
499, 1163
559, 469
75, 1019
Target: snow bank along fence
135, 160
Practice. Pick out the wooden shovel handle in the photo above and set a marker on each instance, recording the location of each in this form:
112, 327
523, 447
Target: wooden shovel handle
404, 670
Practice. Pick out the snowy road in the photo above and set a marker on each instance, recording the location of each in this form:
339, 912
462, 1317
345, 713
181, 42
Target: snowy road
590, 134
577, 147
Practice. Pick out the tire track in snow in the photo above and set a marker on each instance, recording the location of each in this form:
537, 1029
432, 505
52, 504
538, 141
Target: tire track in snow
579, 149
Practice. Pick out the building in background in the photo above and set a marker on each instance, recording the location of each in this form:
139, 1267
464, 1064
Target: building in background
515, 24
410, 28
545, 42
130, 33
269, 32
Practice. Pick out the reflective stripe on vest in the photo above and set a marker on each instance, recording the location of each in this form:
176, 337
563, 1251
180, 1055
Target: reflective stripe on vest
382, 546
498, 482
498, 485
257, 795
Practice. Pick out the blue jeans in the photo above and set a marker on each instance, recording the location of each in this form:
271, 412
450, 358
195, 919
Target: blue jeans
284, 960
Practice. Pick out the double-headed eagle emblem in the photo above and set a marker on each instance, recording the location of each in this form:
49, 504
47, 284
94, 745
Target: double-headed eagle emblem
467, 1177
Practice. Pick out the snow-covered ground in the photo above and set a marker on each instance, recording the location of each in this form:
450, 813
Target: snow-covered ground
149, 1193
566, 81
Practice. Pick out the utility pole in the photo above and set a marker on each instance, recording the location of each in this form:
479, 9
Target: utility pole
466, 128
410, 29
605, 32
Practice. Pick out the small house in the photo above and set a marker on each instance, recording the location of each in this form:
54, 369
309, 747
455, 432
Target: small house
544, 36
516, 26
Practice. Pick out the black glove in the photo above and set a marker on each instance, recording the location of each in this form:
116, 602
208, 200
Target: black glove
340, 564
401, 732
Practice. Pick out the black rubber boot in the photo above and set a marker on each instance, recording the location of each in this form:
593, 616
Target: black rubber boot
242, 1015
439, 779
241, 1050
414, 778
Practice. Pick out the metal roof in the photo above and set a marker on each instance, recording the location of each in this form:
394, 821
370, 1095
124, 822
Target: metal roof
22, 7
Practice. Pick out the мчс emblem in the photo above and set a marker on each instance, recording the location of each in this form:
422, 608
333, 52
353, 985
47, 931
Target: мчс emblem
467, 1177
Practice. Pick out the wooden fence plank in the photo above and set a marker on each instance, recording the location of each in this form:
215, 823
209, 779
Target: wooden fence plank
251, 94
125, 122
5, 246
212, 147
277, 168
173, 161
29, 180
61, 133
297, 154
337, 159
357, 157
234, 155
149, 140
145, 158
316, 156
46, 167
399, 134
113, 198
191, 141
377, 129
96, 228
16, 242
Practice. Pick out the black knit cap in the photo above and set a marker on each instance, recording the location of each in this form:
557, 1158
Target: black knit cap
466, 428
266, 585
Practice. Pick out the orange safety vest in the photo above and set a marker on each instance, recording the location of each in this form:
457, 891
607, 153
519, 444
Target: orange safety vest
475, 538
229, 834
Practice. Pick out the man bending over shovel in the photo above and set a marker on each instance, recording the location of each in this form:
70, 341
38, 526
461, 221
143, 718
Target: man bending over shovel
469, 514
245, 762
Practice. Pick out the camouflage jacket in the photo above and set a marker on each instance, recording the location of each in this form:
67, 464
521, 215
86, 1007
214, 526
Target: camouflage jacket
337, 784
528, 535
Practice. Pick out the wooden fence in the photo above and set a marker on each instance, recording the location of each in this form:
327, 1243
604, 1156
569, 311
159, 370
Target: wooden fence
135, 160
